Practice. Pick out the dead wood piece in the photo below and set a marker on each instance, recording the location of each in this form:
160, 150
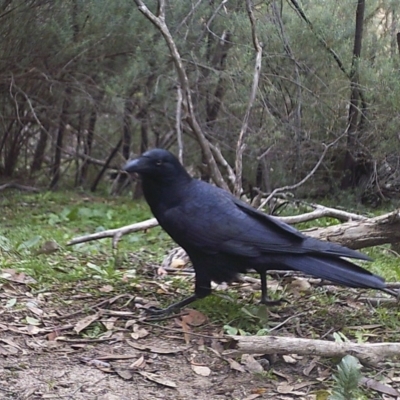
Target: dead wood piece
368, 353
322, 211
116, 234
359, 234
13, 185
353, 234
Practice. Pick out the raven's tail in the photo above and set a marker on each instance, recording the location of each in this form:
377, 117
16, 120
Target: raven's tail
336, 270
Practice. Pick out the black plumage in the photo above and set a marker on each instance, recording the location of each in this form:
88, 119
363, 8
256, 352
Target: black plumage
224, 236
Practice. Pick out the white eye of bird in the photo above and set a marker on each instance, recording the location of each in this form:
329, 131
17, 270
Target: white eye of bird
158, 162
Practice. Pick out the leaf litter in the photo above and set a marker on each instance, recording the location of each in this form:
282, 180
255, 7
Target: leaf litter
131, 350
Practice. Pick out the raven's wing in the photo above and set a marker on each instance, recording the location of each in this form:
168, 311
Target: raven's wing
213, 221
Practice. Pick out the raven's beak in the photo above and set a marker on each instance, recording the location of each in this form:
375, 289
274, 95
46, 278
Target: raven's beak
138, 165
132, 165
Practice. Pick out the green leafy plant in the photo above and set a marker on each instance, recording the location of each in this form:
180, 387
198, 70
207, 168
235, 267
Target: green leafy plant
347, 380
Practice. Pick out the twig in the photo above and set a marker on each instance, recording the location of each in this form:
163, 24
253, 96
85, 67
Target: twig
221, 161
13, 185
92, 160
210, 20
97, 305
159, 22
240, 146
286, 321
322, 211
305, 179
116, 234
178, 123
194, 7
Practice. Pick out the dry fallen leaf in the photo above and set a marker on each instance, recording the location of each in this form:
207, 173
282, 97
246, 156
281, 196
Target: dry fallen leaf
109, 323
201, 370
251, 364
139, 332
235, 365
307, 370
194, 317
140, 363
13, 276
32, 321
10, 343
379, 387
130, 323
85, 322
289, 359
186, 330
53, 335
96, 363
8, 350
286, 388
33, 330
116, 356
158, 379
252, 396
106, 289
156, 349
300, 284
124, 373
177, 263
108, 396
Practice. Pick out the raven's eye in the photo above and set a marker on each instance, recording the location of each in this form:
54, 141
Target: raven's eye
158, 162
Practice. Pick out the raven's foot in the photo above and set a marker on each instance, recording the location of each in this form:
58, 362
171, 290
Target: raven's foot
172, 308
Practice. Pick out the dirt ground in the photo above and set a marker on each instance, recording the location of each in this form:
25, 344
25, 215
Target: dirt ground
71, 345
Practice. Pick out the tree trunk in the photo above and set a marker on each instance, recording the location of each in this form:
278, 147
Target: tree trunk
40, 149
127, 129
87, 146
350, 162
60, 137
114, 151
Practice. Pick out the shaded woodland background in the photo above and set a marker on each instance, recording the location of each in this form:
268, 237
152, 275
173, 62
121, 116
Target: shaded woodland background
86, 85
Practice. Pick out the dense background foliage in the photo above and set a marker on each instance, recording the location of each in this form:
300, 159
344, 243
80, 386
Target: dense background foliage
87, 84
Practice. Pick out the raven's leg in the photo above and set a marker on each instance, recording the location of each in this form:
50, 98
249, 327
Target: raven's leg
202, 289
264, 295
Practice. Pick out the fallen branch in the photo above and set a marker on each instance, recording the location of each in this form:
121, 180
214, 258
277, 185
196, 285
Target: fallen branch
360, 234
322, 211
90, 159
365, 232
368, 353
116, 234
13, 185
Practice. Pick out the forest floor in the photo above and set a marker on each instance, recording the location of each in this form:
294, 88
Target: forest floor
72, 324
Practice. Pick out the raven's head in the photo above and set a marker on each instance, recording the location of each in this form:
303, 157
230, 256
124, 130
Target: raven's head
158, 164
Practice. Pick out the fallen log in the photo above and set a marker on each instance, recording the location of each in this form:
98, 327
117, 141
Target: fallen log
355, 234
367, 353
360, 234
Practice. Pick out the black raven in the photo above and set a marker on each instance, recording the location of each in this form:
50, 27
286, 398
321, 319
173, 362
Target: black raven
224, 236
